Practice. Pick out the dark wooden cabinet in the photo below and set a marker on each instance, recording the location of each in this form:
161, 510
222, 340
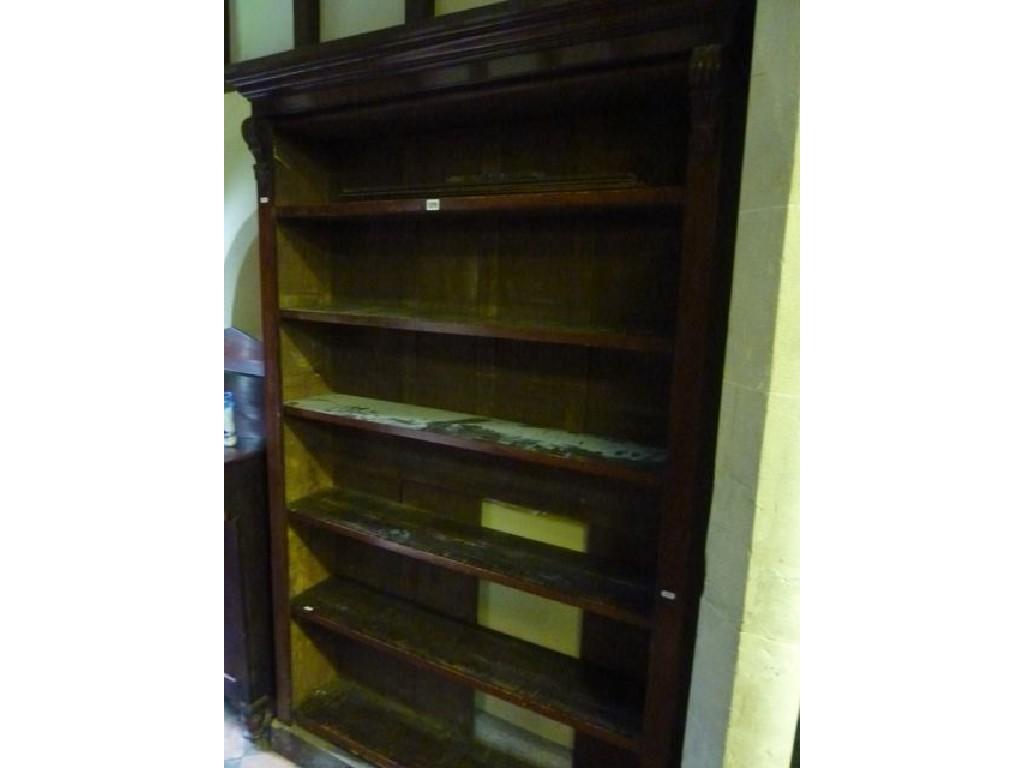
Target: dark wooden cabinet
248, 655
495, 254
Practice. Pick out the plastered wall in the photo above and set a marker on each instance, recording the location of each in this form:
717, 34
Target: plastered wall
241, 256
341, 18
744, 698
441, 7
260, 28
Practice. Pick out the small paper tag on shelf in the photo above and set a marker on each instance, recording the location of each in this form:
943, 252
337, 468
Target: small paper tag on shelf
433, 204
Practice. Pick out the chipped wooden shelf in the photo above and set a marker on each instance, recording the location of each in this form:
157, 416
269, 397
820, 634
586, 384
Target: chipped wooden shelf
388, 733
636, 197
406, 318
589, 454
552, 572
555, 685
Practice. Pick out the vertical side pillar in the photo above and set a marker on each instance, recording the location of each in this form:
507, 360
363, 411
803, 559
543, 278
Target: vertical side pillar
695, 390
259, 136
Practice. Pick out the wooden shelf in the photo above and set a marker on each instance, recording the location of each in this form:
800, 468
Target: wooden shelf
553, 572
588, 454
637, 197
388, 733
404, 318
552, 684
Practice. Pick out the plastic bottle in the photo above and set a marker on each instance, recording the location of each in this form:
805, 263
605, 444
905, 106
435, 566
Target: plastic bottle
230, 438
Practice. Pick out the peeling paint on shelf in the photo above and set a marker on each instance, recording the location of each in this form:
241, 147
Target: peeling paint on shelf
509, 433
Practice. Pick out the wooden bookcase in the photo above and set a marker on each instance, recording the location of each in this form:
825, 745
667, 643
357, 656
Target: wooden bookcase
494, 258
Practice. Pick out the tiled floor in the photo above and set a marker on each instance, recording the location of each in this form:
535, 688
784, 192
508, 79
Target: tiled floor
239, 752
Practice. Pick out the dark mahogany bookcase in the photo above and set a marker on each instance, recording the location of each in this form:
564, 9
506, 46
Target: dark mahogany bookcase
495, 255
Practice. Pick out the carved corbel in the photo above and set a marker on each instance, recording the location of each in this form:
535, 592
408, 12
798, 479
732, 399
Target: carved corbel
260, 139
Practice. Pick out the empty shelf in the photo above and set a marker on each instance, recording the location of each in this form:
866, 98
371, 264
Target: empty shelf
555, 685
553, 572
391, 734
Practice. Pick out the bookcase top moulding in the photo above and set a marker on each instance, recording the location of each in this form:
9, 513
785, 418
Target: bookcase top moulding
512, 41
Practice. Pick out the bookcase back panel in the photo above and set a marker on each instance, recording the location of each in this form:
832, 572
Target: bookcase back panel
300, 173
572, 134
330, 660
305, 360
442, 591
313, 659
311, 559
611, 271
613, 394
610, 644
420, 690
305, 265
308, 464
